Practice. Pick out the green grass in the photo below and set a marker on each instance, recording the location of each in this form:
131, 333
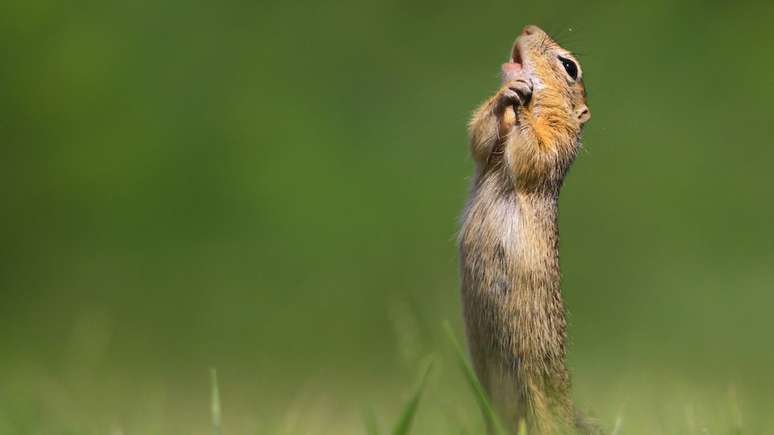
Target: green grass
445, 399
215, 402
488, 414
403, 426
433, 406
404, 423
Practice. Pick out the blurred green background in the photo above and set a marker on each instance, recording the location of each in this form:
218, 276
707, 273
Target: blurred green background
273, 189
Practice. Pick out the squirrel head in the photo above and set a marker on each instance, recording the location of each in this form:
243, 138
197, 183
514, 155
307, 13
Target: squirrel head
543, 130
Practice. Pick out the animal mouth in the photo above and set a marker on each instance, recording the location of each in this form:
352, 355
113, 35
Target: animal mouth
514, 68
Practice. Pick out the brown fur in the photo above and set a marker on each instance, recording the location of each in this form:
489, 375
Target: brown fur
523, 146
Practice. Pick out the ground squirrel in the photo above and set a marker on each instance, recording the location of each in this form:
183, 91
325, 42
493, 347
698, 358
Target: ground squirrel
523, 141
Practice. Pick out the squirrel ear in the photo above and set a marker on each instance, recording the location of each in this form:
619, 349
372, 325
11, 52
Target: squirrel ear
583, 114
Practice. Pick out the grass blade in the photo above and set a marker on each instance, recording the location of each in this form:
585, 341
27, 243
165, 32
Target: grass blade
487, 412
736, 412
407, 416
372, 426
522, 427
618, 425
214, 402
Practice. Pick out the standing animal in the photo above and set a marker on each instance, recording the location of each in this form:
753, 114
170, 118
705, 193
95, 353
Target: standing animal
523, 141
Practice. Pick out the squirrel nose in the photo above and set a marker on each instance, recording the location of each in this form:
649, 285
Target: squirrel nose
530, 30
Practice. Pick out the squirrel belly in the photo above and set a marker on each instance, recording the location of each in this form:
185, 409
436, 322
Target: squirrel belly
514, 314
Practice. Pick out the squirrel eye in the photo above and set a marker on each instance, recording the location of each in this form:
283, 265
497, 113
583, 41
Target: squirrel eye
570, 67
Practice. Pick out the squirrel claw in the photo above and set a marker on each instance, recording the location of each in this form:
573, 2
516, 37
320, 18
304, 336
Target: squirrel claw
521, 89
515, 93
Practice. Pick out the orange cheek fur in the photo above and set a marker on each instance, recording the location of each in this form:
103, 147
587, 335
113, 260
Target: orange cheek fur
548, 133
550, 116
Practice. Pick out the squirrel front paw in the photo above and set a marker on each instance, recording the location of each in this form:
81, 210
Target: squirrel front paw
515, 93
